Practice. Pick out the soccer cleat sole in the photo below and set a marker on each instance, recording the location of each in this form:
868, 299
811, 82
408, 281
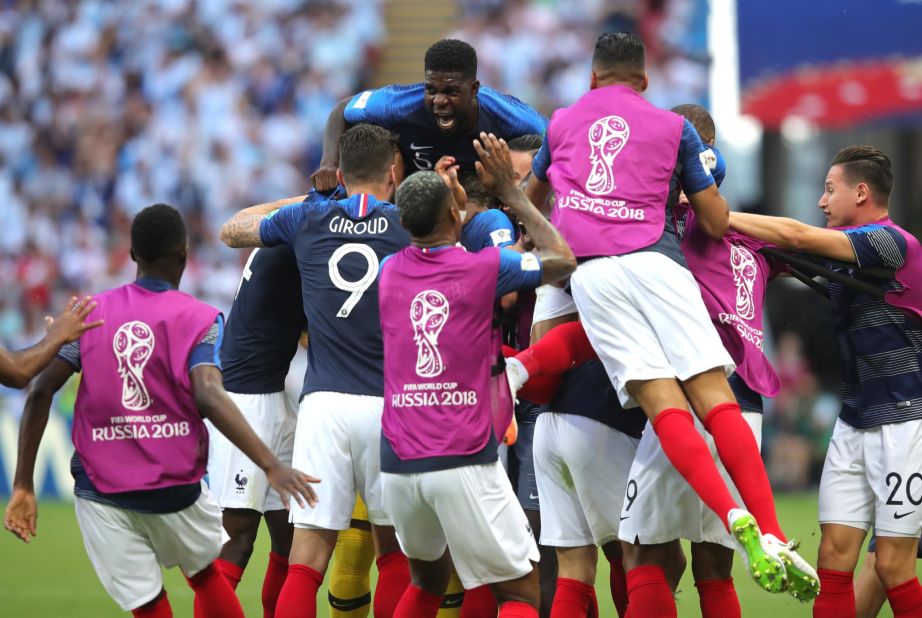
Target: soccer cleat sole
801, 585
767, 570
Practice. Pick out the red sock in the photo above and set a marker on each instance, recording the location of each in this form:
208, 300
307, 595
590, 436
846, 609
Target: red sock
562, 348
739, 453
517, 609
718, 599
837, 595
298, 597
214, 597
159, 608
233, 572
393, 579
618, 583
572, 599
690, 456
479, 603
417, 603
649, 595
906, 599
276, 572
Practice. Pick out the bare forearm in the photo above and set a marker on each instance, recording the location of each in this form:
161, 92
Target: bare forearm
537, 192
557, 260
242, 230
17, 368
336, 126
792, 234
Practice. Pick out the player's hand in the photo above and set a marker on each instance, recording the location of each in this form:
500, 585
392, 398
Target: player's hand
291, 483
68, 326
324, 179
21, 514
495, 165
447, 169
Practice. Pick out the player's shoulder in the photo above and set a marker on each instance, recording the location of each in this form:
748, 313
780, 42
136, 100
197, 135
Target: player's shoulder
511, 113
392, 102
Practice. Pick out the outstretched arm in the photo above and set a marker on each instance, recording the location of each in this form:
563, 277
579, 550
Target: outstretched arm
17, 368
21, 514
324, 178
792, 234
242, 230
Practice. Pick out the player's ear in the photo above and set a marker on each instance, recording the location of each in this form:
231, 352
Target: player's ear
339, 177
862, 194
133, 257
475, 87
593, 81
646, 82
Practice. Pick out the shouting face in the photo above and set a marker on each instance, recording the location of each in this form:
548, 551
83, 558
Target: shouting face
452, 100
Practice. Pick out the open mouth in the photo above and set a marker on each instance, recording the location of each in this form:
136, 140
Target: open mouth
445, 122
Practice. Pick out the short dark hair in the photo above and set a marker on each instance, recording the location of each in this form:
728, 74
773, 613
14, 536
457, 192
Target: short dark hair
158, 231
421, 199
477, 193
700, 119
869, 165
452, 56
366, 153
526, 143
619, 51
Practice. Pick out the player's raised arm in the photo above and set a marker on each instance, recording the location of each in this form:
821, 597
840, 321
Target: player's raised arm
324, 179
242, 230
216, 406
21, 513
17, 368
495, 171
792, 234
699, 185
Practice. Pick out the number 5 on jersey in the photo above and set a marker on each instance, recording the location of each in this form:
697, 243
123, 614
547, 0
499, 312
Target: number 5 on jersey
355, 288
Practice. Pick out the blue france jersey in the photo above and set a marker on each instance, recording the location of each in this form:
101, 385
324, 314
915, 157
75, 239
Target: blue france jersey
265, 323
400, 108
490, 228
338, 245
880, 345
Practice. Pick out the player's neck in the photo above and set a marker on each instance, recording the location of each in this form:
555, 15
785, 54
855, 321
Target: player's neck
440, 237
382, 193
870, 215
159, 273
471, 211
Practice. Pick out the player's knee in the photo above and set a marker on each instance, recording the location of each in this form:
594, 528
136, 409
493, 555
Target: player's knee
894, 567
239, 547
578, 563
711, 561
837, 553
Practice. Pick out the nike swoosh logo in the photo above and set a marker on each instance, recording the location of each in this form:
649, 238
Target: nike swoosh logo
532, 496
625, 517
415, 147
902, 515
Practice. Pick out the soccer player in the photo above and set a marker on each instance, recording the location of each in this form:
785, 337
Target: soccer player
339, 245
151, 373
447, 404
260, 339
438, 117
18, 368
616, 177
874, 463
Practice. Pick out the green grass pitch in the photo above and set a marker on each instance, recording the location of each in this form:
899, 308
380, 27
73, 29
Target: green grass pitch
52, 576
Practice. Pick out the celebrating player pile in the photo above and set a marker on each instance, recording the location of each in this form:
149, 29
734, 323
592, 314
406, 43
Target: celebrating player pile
647, 349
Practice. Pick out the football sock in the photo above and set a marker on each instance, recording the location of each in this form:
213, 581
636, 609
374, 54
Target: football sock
233, 572
562, 348
689, 454
298, 598
717, 598
159, 608
393, 579
739, 453
276, 572
479, 603
517, 609
214, 597
618, 583
906, 599
649, 595
454, 596
350, 583
837, 595
417, 603
572, 599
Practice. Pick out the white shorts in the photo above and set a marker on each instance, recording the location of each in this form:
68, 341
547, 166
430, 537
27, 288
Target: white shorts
644, 316
127, 548
551, 302
660, 505
338, 440
581, 466
874, 476
235, 481
472, 511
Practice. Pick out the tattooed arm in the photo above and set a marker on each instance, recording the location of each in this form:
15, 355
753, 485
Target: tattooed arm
242, 230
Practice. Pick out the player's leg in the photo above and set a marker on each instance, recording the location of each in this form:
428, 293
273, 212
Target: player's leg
870, 594
712, 566
280, 537
454, 597
575, 591
242, 526
422, 598
617, 576
896, 568
350, 582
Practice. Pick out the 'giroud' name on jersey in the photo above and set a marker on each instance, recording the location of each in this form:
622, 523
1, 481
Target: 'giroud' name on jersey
342, 225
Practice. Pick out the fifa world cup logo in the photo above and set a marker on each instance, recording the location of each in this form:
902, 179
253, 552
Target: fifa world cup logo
607, 136
133, 345
744, 276
428, 313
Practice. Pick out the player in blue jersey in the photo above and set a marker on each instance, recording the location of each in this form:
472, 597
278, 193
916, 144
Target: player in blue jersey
260, 339
437, 117
338, 246
873, 469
